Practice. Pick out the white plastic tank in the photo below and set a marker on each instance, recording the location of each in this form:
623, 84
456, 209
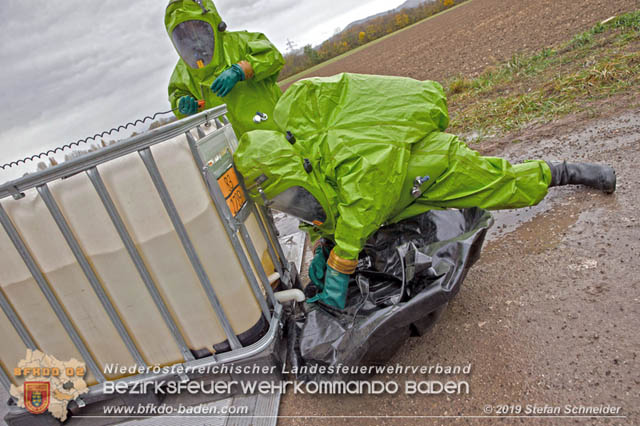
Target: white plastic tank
148, 224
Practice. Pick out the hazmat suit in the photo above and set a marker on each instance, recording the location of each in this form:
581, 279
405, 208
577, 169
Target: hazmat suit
218, 67
355, 152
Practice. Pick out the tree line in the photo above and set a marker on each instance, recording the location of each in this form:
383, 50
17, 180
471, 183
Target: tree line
360, 34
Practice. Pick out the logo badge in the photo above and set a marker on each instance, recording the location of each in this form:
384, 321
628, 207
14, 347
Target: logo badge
36, 397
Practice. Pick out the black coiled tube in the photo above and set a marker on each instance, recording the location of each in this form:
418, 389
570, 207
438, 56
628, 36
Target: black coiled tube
79, 141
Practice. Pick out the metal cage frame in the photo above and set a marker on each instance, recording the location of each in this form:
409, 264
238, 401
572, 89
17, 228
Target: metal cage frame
234, 227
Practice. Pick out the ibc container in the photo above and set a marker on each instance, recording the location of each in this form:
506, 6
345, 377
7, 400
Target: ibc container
102, 293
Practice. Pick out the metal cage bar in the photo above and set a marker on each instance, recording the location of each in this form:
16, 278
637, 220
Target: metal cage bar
274, 234
257, 263
16, 322
170, 207
270, 246
111, 152
96, 391
4, 379
74, 245
118, 223
227, 219
48, 294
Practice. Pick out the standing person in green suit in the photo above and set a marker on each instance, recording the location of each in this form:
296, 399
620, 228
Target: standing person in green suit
216, 66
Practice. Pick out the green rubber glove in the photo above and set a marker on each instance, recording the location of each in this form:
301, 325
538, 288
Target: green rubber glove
318, 267
334, 292
187, 105
225, 81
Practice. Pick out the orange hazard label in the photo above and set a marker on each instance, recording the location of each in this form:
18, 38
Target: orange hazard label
228, 182
232, 191
236, 201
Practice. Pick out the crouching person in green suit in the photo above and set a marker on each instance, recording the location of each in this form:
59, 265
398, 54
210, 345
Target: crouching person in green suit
355, 152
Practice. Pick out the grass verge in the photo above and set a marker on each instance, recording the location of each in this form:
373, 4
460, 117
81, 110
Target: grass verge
596, 64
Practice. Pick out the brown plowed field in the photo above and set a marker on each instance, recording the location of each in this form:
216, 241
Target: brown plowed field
480, 33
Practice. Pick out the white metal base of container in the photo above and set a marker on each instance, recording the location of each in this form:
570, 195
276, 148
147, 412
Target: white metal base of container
261, 409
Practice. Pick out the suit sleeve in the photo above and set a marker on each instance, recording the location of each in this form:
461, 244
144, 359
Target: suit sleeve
264, 57
178, 88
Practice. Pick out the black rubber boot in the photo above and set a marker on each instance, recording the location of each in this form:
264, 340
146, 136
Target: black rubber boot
592, 175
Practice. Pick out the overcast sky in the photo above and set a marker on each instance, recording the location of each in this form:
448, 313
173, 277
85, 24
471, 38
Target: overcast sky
72, 68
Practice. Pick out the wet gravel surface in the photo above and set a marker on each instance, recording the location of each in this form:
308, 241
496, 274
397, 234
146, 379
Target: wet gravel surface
550, 313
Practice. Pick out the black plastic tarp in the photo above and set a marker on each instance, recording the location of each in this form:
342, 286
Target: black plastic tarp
406, 275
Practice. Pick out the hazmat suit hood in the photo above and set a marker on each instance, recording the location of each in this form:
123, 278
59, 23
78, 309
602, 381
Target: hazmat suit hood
279, 176
195, 27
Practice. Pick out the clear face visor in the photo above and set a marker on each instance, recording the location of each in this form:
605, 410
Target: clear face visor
195, 42
297, 201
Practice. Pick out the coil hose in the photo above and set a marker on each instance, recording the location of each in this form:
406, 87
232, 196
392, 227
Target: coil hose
85, 140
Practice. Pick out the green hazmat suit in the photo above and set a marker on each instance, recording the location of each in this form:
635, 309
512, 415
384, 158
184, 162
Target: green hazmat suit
258, 93
366, 138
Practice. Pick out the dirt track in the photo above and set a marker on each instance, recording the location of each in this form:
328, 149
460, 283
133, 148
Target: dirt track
473, 36
549, 315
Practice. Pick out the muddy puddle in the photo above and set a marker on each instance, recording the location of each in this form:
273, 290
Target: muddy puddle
606, 137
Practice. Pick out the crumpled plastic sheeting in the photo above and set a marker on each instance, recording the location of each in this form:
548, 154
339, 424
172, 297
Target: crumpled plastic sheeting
406, 275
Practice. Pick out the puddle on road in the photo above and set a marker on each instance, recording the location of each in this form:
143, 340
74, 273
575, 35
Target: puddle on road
534, 230
592, 143
507, 221
554, 204
603, 142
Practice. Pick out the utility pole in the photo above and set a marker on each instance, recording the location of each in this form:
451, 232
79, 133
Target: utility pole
291, 45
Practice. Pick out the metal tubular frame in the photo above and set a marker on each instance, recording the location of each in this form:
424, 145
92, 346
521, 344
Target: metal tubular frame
272, 253
232, 222
110, 207
4, 379
111, 152
257, 262
95, 391
230, 225
180, 229
17, 324
48, 294
88, 163
74, 245
274, 234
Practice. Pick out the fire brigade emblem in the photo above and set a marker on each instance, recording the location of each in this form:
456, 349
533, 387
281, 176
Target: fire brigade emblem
36, 397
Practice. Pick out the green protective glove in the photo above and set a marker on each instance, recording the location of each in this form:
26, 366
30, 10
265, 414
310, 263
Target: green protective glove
334, 292
225, 81
187, 105
318, 267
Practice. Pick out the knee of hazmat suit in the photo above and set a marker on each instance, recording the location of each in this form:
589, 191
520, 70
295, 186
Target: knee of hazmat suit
359, 142
206, 50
